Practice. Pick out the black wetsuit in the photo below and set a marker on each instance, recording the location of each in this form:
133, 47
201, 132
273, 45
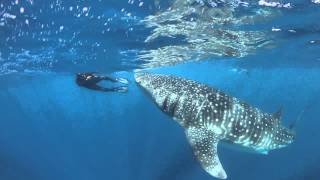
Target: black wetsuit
90, 80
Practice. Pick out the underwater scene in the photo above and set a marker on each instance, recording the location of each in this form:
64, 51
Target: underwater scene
159, 89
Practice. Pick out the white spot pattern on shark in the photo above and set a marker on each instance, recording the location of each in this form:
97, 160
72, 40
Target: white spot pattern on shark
209, 116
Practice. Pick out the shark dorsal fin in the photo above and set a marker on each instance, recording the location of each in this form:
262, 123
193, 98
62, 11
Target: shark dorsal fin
204, 144
277, 115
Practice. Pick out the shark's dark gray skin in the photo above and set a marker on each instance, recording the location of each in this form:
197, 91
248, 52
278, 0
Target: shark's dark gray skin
210, 116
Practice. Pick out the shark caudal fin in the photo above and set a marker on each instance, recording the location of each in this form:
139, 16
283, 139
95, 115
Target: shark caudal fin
204, 144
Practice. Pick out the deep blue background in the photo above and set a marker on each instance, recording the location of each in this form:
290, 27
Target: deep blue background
52, 129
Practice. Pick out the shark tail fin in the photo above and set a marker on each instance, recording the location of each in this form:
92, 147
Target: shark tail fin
204, 144
278, 114
292, 126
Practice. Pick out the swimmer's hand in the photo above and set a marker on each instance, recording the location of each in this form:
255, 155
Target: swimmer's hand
122, 80
121, 89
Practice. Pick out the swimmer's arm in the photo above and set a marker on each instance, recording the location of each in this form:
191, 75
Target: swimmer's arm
120, 80
113, 89
108, 78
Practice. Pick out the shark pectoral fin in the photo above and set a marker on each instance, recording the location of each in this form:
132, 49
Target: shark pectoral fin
204, 144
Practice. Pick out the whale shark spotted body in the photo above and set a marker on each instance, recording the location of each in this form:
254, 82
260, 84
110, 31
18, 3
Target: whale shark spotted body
210, 116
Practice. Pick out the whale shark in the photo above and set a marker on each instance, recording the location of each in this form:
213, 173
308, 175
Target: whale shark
210, 116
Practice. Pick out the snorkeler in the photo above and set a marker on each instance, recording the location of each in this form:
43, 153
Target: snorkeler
91, 80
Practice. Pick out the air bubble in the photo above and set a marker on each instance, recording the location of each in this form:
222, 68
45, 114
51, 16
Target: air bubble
85, 9
21, 10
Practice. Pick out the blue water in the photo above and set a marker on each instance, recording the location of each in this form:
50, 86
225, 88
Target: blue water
51, 129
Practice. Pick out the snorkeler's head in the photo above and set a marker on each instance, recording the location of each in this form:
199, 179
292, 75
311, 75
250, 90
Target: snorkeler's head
81, 78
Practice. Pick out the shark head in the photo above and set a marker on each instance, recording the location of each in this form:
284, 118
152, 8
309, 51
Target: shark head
152, 84
142, 78
146, 81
